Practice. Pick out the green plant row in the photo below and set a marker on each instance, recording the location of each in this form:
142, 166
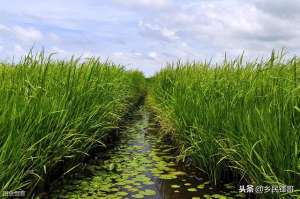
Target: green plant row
52, 110
237, 115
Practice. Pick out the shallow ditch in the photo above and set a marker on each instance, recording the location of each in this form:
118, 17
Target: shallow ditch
140, 166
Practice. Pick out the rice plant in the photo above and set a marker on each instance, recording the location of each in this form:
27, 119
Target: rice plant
53, 110
237, 115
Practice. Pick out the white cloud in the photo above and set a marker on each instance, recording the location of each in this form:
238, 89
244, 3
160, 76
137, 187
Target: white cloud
54, 37
3, 28
118, 54
157, 31
23, 34
148, 62
184, 44
19, 50
58, 50
1, 48
138, 54
144, 3
28, 34
87, 54
218, 26
167, 33
152, 55
280, 8
148, 33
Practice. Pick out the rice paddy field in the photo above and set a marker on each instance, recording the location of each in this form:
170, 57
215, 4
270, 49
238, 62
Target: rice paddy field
203, 131
52, 112
242, 118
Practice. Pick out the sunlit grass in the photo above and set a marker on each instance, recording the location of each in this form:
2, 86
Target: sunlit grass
51, 111
237, 115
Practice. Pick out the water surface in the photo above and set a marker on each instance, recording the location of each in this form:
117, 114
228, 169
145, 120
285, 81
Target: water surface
141, 166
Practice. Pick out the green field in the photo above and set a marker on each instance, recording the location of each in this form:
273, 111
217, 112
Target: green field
233, 116
52, 111
242, 117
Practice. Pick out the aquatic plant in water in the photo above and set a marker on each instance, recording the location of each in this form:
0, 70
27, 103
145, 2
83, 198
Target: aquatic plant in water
141, 163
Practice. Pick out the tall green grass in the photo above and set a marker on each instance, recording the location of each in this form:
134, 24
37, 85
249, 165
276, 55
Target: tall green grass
51, 111
242, 116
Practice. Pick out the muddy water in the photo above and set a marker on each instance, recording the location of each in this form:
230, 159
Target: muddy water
141, 166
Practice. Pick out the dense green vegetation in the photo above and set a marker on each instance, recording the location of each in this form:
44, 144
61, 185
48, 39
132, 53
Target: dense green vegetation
52, 111
243, 116
239, 116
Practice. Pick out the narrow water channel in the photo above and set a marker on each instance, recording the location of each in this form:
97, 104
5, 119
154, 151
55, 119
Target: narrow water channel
141, 166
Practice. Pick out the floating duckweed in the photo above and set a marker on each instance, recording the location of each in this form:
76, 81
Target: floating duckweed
127, 187
167, 177
114, 189
171, 164
122, 193
218, 196
178, 173
105, 188
129, 182
128, 172
229, 186
111, 167
156, 158
192, 189
121, 183
133, 189
201, 186
242, 195
100, 193
141, 178
175, 186
167, 157
148, 183
139, 195
136, 184
156, 171
149, 192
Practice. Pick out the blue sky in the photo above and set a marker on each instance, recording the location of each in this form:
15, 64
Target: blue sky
146, 34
